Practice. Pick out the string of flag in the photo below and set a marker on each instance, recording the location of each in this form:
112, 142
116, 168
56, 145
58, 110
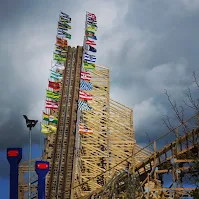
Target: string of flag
54, 83
90, 42
89, 60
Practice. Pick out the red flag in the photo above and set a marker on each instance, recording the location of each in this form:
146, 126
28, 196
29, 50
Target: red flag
54, 85
91, 15
83, 129
85, 76
51, 105
62, 42
85, 96
90, 42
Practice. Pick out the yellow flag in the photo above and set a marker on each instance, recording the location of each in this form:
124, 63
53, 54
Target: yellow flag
48, 128
44, 129
92, 28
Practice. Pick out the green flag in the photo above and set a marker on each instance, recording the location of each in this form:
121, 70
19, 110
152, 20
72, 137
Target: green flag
59, 57
89, 66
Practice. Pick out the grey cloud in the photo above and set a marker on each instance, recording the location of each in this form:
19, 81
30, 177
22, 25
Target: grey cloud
27, 32
170, 32
164, 36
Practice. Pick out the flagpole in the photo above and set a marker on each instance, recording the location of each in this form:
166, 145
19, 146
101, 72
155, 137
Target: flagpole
30, 156
41, 139
78, 111
30, 124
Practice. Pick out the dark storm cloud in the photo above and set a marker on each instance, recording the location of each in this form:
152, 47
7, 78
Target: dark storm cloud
16, 94
169, 32
27, 37
158, 49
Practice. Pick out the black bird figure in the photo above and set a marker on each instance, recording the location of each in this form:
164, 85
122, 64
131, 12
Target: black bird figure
30, 123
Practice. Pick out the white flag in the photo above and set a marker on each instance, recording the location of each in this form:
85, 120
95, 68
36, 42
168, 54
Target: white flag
89, 58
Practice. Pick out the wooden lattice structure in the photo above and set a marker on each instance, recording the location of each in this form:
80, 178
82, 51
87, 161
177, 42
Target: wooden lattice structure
148, 172
59, 179
122, 140
112, 126
92, 150
111, 141
59, 147
23, 179
86, 165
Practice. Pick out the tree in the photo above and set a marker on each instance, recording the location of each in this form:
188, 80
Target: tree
179, 111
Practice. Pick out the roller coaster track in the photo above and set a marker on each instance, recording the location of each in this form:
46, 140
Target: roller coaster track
60, 177
182, 150
178, 149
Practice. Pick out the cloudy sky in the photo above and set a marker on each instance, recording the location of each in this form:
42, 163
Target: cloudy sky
149, 46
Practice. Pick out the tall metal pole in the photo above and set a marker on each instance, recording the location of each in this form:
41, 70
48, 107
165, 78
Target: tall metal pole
30, 156
30, 124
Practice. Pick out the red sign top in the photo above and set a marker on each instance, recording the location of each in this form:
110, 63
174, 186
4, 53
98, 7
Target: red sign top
13, 153
42, 166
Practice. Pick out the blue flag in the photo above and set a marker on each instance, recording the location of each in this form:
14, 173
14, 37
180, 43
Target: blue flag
87, 86
90, 48
83, 106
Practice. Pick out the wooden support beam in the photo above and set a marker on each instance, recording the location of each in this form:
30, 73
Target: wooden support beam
185, 161
170, 170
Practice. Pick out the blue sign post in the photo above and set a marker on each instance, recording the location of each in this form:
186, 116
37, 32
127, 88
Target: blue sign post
14, 156
41, 168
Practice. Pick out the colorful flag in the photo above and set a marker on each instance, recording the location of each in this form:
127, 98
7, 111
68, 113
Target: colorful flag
62, 29
91, 28
83, 106
90, 48
89, 33
56, 75
48, 128
89, 65
92, 37
61, 52
58, 52
58, 66
84, 130
62, 19
85, 76
63, 25
62, 42
53, 76
58, 57
91, 21
51, 105
89, 58
85, 96
65, 16
54, 85
87, 86
60, 48
90, 42
50, 118
52, 95
64, 35
91, 15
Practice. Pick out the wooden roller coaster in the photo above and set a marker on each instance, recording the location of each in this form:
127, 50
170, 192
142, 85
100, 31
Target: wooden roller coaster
107, 162
148, 173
